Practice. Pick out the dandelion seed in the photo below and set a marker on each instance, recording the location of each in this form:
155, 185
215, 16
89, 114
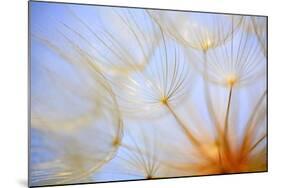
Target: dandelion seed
239, 60
120, 47
166, 79
100, 67
82, 140
138, 156
260, 29
195, 30
257, 26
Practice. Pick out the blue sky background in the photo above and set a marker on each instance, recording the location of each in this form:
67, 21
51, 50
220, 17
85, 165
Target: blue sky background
51, 92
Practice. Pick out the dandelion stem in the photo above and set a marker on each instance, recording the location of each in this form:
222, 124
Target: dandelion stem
257, 143
227, 112
250, 126
207, 94
220, 160
226, 124
189, 135
183, 126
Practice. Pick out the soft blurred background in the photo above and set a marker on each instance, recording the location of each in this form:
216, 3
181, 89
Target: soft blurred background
120, 94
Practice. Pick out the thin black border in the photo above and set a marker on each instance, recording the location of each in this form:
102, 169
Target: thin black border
117, 6
29, 92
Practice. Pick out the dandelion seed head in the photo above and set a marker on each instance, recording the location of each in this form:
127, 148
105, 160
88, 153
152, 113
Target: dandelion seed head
167, 78
239, 60
164, 100
116, 142
193, 29
256, 26
207, 44
231, 79
115, 63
